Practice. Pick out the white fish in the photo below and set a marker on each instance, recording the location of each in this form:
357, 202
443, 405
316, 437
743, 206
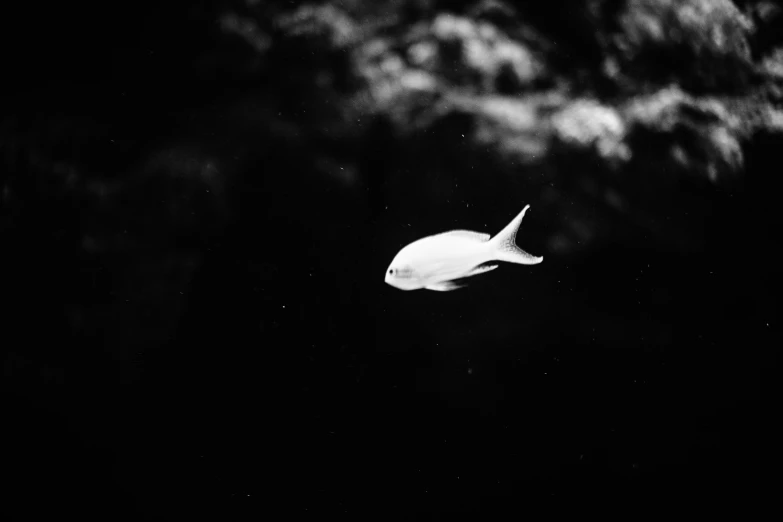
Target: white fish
435, 261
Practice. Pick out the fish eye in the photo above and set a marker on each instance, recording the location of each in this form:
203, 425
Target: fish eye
391, 271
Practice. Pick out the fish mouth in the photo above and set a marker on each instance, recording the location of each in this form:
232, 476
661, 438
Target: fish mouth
395, 284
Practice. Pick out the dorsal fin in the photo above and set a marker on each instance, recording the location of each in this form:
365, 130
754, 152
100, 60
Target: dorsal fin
468, 234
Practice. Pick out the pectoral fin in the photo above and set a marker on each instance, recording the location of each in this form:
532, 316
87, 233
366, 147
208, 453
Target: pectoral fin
480, 270
445, 286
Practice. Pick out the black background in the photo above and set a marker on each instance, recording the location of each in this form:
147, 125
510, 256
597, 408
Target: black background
229, 348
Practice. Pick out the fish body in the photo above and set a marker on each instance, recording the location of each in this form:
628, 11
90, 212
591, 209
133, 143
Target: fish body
434, 262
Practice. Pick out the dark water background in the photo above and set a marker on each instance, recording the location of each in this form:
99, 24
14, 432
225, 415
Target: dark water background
196, 325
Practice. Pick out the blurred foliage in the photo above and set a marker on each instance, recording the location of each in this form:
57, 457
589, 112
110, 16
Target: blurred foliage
674, 83
700, 44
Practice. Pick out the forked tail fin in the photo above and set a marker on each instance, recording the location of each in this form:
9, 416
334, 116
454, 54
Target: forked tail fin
505, 246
